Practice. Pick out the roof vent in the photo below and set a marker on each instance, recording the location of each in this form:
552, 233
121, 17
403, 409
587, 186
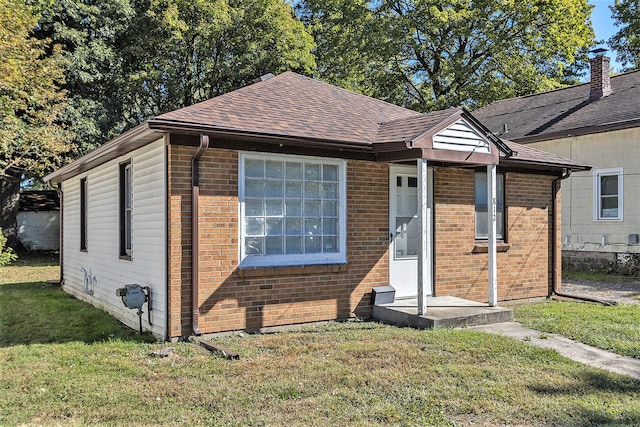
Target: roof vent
600, 85
263, 78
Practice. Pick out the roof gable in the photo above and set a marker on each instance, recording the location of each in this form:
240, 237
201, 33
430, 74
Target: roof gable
461, 136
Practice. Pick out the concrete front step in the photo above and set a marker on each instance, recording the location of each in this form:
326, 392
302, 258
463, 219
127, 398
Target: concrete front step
441, 312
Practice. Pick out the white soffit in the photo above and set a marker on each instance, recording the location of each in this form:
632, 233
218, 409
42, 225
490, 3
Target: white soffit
461, 136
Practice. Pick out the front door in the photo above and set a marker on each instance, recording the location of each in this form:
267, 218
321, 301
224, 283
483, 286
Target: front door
404, 227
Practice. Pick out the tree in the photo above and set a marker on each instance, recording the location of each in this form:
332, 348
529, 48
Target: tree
193, 50
626, 41
32, 139
129, 60
432, 54
91, 34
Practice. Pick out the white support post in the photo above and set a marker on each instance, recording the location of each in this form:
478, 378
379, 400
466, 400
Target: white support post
425, 256
492, 259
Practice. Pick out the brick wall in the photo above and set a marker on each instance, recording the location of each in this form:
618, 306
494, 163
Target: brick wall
524, 268
232, 298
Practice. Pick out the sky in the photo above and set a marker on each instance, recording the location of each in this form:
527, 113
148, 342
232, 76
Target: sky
604, 28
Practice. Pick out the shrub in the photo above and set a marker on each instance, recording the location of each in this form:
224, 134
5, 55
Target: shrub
6, 254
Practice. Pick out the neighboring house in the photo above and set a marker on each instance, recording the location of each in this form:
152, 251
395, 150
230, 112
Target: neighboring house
38, 220
596, 123
288, 200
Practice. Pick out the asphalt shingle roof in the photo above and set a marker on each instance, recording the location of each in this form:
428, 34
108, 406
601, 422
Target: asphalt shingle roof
563, 110
45, 200
293, 105
296, 108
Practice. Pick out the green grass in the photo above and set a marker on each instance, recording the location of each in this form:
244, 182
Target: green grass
31, 268
615, 328
33, 311
355, 373
339, 374
598, 276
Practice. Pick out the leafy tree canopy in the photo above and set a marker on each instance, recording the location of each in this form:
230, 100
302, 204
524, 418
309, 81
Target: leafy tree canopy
128, 60
432, 54
32, 140
626, 15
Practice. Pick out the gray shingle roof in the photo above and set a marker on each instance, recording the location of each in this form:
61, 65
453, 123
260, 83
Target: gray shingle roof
565, 111
530, 155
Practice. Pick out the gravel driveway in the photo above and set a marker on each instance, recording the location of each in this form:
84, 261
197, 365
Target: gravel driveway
622, 292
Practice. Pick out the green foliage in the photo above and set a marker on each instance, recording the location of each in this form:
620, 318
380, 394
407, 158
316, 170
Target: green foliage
432, 54
32, 138
129, 60
6, 254
626, 42
191, 51
90, 34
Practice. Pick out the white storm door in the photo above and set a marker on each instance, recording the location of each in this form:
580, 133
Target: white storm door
404, 227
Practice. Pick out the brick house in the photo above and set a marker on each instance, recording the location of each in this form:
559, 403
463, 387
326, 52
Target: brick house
300, 198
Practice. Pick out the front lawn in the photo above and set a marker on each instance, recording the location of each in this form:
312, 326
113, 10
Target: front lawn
355, 373
615, 328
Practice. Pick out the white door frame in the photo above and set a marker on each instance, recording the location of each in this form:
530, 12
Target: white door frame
423, 262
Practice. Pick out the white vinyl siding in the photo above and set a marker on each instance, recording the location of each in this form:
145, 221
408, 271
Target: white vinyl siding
608, 192
106, 270
461, 136
292, 210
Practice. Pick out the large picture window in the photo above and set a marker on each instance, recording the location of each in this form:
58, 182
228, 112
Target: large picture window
608, 194
482, 211
292, 210
125, 210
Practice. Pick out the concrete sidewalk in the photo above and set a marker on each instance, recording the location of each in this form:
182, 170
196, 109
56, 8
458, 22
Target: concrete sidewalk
572, 349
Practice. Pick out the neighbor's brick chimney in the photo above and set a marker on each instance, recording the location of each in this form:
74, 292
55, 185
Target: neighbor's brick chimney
600, 79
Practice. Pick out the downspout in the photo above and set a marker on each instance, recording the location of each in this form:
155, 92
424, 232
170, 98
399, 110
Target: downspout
554, 249
195, 247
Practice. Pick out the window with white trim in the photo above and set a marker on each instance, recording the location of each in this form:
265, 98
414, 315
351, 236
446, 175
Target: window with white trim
482, 206
126, 212
292, 210
608, 192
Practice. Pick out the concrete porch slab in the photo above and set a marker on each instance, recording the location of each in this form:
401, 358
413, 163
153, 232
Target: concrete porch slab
442, 312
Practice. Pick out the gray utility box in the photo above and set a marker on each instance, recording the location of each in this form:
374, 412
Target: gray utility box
383, 295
